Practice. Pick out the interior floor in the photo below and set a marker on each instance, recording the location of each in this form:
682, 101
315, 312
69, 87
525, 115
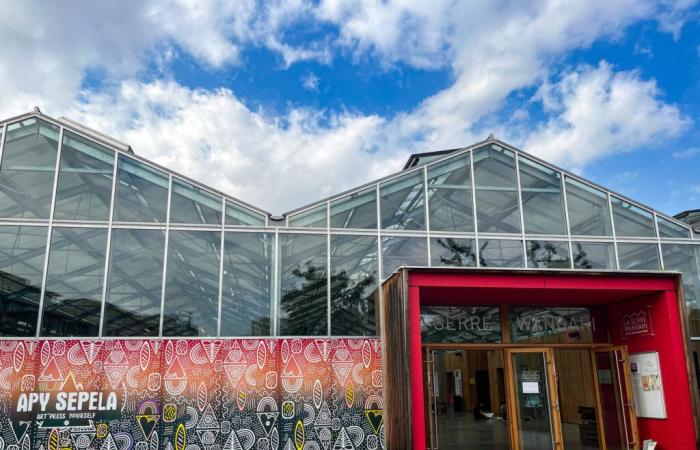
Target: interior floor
456, 429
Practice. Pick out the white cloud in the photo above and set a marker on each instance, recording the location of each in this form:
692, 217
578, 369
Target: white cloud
310, 81
597, 112
491, 49
687, 153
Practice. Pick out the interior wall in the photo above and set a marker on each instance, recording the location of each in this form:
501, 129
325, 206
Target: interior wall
576, 387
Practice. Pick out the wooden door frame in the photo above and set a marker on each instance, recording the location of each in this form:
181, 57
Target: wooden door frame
628, 408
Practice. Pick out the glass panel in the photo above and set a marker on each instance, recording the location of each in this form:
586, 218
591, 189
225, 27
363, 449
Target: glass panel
238, 215
589, 213
638, 256
402, 203
73, 297
84, 190
303, 285
630, 220
27, 169
141, 192
400, 251
458, 324
548, 254
450, 194
671, 229
497, 208
354, 285
22, 251
192, 204
543, 203
501, 253
191, 301
686, 259
550, 325
534, 423
594, 255
134, 283
247, 287
452, 252
617, 417
312, 218
358, 210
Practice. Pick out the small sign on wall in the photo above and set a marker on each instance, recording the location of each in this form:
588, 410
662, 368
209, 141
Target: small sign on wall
647, 387
636, 323
458, 383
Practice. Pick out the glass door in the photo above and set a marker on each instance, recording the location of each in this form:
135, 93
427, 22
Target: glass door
616, 417
534, 403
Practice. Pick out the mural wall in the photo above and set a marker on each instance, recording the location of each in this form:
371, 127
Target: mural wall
228, 394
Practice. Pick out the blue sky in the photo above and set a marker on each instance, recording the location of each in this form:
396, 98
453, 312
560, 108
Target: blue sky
284, 102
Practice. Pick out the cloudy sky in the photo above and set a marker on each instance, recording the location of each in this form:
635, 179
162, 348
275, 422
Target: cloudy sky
281, 103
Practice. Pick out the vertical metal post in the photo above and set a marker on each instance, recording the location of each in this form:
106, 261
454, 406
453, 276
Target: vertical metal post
476, 229
520, 205
614, 233
328, 268
566, 217
165, 255
109, 244
49, 232
221, 266
426, 208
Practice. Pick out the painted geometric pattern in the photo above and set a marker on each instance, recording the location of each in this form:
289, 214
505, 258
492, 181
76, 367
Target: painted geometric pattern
227, 394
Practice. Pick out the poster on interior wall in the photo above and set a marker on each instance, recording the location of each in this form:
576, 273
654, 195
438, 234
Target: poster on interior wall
189, 394
458, 383
647, 387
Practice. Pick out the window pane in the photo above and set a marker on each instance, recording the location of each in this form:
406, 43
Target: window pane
192, 284
450, 194
452, 252
22, 251
192, 204
543, 203
314, 217
354, 285
638, 256
548, 254
303, 285
358, 210
400, 251
671, 229
27, 169
142, 192
84, 189
134, 283
247, 289
501, 253
594, 255
589, 213
631, 220
73, 298
402, 203
497, 208
686, 259
238, 215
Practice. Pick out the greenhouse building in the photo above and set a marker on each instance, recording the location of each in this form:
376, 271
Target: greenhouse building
479, 298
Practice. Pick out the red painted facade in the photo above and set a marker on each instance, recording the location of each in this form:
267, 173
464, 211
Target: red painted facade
618, 294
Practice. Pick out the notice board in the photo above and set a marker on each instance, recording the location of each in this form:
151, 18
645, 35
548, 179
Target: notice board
647, 386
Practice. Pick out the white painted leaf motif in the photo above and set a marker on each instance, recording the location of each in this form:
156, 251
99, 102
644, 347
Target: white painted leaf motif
144, 356
318, 393
366, 354
262, 355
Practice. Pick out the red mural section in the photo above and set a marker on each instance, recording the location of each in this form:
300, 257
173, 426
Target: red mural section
228, 394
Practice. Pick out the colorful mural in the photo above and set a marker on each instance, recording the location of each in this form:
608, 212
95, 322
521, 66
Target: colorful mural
227, 394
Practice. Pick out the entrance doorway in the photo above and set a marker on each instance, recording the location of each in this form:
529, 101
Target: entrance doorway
510, 397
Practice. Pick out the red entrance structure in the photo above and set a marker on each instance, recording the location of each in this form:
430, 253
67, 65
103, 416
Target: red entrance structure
621, 295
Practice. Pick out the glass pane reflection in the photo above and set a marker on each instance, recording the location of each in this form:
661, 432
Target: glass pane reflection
247, 284
192, 204
402, 203
27, 169
497, 208
191, 302
141, 192
631, 220
238, 215
594, 255
686, 259
638, 256
357, 210
457, 252
303, 285
501, 253
671, 229
22, 251
84, 190
450, 195
134, 283
543, 203
400, 251
312, 218
589, 213
548, 254
73, 297
354, 285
